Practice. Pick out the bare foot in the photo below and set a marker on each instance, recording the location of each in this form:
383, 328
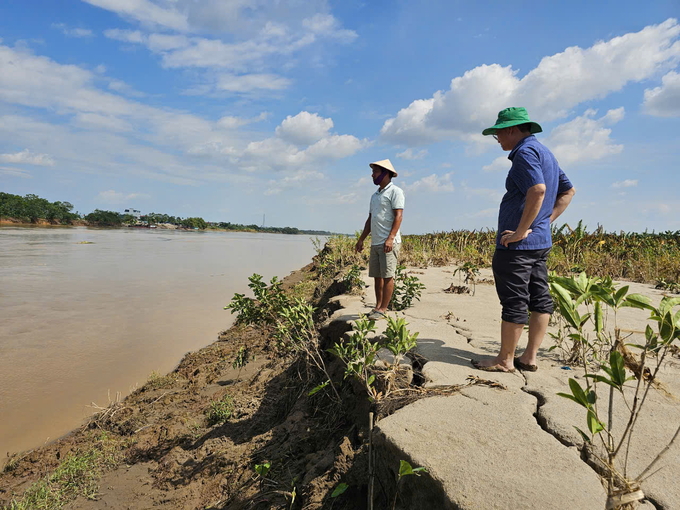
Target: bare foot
493, 365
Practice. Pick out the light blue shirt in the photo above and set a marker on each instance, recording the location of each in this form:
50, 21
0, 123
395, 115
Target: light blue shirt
383, 203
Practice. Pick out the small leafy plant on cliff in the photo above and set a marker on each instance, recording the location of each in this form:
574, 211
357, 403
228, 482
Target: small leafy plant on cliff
352, 279
265, 306
358, 354
399, 339
406, 289
610, 370
292, 321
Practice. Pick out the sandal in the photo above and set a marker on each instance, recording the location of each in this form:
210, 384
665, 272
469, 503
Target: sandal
375, 315
525, 367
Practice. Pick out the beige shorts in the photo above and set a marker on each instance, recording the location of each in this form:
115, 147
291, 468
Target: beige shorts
381, 264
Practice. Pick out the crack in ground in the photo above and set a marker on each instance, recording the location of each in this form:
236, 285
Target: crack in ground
583, 452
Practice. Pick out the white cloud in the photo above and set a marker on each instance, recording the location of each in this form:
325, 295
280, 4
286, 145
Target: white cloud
115, 197
27, 157
247, 44
299, 178
124, 88
275, 153
484, 213
326, 25
410, 154
549, 91
165, 42
99, 131
130, 36
15, 172
145, 11
664, 101
628, 183
73, 32
106, 122
433, 184
250, 82
585, 138
495, 195
305, 128
500, 164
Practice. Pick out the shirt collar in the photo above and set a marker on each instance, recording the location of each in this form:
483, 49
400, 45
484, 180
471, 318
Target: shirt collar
381, 190
519, 144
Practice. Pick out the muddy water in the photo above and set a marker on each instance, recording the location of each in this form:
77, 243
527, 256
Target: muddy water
80, 322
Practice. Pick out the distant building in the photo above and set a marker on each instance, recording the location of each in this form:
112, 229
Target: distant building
134, 212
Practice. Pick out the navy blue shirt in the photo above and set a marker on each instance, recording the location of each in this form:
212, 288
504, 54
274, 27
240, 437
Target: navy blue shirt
532, 164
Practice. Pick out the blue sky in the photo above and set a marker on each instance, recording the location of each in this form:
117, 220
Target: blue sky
231, 109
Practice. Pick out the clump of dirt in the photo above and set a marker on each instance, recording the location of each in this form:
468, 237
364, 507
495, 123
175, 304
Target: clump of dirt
169, 457
457, 289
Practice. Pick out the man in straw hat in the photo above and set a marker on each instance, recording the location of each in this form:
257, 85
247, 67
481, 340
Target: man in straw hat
384, 220
538, 191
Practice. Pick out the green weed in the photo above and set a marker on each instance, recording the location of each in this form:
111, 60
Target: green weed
77, 476
219, 411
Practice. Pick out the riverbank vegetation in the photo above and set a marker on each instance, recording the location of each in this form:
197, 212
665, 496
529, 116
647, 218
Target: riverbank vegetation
640, 257
32, 208
35, 210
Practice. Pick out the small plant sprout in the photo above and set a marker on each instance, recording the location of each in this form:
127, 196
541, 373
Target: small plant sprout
263, 469
339, 490
405, 469
240, 361
471, 272
399, 339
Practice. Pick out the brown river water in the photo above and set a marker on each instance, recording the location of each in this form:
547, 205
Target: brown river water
80, 322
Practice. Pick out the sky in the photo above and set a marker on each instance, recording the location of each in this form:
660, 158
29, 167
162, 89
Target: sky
235, 109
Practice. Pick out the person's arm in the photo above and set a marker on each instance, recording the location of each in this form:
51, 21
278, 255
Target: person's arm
561, 203
389, 243
532, 206
367, 230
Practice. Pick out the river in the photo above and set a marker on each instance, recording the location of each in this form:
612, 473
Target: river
80, 322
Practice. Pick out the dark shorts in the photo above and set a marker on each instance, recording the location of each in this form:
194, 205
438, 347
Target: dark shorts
522, 283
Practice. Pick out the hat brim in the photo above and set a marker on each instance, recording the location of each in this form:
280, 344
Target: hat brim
535, 127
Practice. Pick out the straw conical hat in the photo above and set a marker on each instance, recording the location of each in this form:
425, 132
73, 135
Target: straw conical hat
386, 164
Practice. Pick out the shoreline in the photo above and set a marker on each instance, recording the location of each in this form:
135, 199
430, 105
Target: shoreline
13, 222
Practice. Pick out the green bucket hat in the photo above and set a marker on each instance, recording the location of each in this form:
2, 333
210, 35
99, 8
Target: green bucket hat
512, 117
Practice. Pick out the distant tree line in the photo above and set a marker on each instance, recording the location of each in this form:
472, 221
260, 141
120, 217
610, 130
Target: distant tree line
32, 208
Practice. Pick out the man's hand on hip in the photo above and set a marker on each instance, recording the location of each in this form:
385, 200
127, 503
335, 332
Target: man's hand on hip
510, 236
389, 244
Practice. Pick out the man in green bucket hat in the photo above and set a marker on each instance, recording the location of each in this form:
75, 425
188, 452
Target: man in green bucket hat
537, 192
